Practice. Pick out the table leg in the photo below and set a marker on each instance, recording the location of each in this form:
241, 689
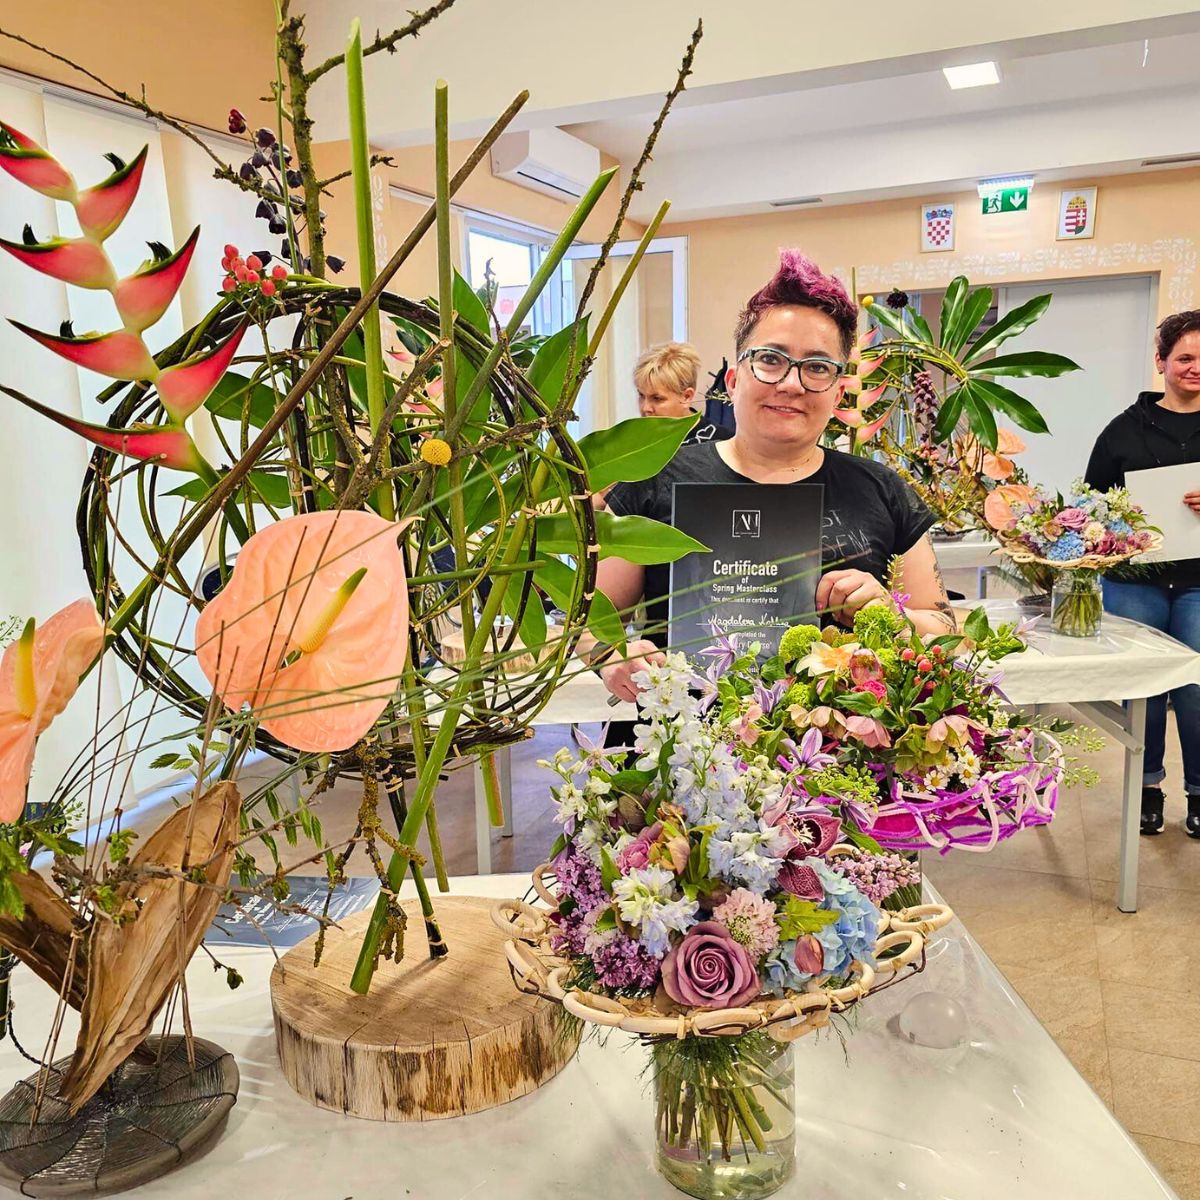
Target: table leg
504, 775
483, 825
1131, 810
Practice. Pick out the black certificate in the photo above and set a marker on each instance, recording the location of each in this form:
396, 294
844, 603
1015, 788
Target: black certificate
760, 577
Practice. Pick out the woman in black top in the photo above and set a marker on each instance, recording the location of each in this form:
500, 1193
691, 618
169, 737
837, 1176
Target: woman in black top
665, 377
792, 339
1162, 430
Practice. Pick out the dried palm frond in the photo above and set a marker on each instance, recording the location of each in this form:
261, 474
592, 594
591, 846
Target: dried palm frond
41, 938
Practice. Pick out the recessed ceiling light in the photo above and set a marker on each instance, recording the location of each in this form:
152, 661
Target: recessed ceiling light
972, 75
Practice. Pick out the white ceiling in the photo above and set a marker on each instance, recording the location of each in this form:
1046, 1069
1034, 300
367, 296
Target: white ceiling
1091, 110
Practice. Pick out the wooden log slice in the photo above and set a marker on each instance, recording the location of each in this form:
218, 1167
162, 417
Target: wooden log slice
431, 1039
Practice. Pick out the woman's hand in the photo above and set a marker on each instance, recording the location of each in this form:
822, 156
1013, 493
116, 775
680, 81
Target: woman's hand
843, 593
617, 675
1192, 500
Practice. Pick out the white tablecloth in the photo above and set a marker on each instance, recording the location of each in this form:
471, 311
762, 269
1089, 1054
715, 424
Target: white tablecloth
1004, 1117
972, 550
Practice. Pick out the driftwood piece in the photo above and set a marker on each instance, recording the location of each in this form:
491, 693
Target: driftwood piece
431, 1039
41, 939
133, 966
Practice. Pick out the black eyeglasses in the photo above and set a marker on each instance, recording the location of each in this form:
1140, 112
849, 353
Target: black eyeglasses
817, 374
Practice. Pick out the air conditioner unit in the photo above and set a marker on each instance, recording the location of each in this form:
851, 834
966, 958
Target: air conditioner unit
546, 160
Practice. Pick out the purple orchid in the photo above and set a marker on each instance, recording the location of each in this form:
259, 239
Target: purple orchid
724, 650
806, 756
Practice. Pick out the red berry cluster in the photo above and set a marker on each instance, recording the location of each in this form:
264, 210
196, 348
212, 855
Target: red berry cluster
249, 271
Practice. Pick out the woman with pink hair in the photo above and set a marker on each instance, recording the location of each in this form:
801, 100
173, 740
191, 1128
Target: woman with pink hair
792, 342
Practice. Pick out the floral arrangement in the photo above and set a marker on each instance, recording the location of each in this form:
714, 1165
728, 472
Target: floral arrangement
1076, 537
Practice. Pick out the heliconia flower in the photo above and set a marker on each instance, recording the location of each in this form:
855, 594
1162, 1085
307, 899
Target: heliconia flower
855, 419
38, 675
28, 163
165, 445
145, 295
311, 631
185, 387
73, 260
119, 355
102, 208
403, 357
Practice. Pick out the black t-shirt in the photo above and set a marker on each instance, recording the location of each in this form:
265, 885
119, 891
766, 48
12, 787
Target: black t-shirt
871, 514
706, 431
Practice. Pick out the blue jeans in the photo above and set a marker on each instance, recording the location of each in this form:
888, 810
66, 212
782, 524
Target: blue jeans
1176, 611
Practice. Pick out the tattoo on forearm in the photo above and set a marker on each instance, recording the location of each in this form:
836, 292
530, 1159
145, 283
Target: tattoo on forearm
941, 610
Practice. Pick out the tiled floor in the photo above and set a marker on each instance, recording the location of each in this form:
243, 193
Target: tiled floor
1120, 993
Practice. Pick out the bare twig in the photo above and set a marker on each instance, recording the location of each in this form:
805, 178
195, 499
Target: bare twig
412, 29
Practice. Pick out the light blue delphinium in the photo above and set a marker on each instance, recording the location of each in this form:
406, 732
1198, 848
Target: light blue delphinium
647, 898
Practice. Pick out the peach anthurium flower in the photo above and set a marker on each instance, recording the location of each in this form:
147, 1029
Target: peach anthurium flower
998, 507
38, 675
311, 631
997, 465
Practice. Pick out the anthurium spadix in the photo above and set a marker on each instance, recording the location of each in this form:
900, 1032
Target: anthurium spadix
102, 208
164, 444
28, 163
119, 355
73, 260
184, 387
39, 673
145, 295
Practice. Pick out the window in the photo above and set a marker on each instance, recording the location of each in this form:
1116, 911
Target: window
514, 254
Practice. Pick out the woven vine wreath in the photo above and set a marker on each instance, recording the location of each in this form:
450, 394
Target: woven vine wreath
537, 969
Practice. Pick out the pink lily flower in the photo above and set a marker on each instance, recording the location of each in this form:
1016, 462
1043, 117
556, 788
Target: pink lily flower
29, 164
119, 355
167, 446
145, 295
103, 207
73, 260
38, 675
185, 387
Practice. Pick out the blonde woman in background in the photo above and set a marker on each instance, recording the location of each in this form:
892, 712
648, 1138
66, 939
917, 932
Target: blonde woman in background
665, 377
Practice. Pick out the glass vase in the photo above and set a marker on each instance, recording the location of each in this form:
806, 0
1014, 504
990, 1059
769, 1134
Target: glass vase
724, 1113
1076, 604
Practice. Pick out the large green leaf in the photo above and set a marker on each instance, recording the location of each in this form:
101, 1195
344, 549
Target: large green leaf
1029, 362
635, 539
1011, 405
980, 417
228, 399
634, 449
557, 580
469, 306
973, 311
949, 413
1009, 325
953, 300
264, 485
548, 370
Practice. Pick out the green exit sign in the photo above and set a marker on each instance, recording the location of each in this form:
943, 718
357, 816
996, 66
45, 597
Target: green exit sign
1014, 199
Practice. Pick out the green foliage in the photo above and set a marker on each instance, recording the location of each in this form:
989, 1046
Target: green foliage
12, 862
633, 450
636, 539
119, 844
798, 917
878, 625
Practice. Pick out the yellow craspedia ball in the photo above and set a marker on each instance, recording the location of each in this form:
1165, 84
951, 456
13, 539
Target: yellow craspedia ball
435, 452
867, 301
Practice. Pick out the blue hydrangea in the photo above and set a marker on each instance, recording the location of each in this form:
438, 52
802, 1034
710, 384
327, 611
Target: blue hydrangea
1069, 546
1121, 528
853, 935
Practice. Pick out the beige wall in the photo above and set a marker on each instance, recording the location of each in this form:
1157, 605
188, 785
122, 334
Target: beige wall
1146, 224
196, 60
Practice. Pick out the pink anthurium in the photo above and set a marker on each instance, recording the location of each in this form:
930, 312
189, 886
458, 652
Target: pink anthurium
38, 675
167, 445
73, 260
184, 388
119, 355
28, 163
102, 208
311, 631
145, 295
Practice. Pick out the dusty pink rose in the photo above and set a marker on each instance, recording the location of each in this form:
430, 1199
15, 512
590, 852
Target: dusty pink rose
708, 969
1072, 518
809, 956
637, 854
876, 687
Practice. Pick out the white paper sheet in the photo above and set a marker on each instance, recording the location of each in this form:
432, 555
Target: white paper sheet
1160, 492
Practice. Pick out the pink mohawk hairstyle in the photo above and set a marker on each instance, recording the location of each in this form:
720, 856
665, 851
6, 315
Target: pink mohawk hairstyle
801, 282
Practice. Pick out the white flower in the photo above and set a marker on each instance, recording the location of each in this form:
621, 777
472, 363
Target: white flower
967, 766
646, 897
570, 804
590, 837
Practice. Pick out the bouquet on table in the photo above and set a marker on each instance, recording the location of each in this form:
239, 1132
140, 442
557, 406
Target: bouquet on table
1078, 537
741, 882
